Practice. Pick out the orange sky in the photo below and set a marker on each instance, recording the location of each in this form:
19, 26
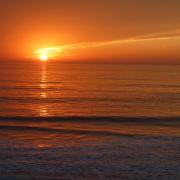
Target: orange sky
135, 31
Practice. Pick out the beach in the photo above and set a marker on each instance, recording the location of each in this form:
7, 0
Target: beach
89, 148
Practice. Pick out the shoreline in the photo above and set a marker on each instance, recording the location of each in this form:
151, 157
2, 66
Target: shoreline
70, 149
90, 158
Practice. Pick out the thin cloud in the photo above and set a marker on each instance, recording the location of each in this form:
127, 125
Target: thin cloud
68, 49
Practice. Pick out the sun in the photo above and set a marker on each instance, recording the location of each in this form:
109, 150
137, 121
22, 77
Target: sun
47, 53
43, 57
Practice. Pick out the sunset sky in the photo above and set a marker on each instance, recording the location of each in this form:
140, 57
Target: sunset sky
135, 31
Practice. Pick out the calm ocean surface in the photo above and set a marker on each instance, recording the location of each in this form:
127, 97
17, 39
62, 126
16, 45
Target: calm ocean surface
54, 89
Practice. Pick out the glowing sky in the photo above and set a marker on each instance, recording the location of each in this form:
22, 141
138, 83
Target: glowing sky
91, 30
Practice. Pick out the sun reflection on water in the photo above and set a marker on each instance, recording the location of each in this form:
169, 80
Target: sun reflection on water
43, 111
43, 92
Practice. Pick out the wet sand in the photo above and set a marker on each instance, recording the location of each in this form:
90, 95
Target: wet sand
98, 148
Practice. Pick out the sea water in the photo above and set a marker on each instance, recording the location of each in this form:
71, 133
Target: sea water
54, 89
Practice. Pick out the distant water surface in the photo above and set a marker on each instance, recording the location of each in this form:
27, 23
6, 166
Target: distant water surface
55, 89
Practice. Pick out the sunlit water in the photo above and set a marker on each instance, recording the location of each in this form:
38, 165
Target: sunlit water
89, 147
55, 89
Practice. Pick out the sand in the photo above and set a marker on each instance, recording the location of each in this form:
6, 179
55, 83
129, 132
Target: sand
40, 155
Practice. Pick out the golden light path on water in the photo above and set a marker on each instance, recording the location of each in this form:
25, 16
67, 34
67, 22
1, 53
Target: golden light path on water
43, 94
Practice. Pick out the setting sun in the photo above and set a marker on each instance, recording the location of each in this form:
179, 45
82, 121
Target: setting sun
47, 53
43, 57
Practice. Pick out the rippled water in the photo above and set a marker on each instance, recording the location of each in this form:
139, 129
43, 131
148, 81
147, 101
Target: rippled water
41, 146
55, 89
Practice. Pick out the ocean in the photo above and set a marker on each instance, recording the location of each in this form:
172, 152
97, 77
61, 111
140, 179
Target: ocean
89, 121
55, 89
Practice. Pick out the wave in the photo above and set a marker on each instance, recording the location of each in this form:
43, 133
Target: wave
37, 100
67, 131
115, 119
57, 125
